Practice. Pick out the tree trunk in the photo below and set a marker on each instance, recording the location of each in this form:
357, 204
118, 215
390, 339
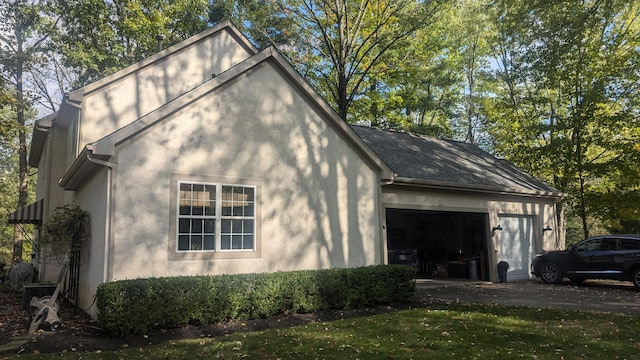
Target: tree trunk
471, 83
22, 146
343, 102
582, 209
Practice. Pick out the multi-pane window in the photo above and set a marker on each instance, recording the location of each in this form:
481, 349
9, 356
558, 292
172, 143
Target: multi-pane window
215, 217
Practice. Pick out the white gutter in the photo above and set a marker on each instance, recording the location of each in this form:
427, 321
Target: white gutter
441, 185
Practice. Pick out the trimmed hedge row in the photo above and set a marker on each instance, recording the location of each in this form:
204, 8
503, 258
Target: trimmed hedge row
136, 306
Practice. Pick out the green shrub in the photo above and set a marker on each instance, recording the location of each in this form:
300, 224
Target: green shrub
136, 306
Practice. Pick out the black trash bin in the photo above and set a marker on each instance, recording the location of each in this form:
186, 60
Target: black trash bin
502, 271
474, 269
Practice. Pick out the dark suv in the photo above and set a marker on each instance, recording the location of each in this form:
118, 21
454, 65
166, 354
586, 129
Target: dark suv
614, 257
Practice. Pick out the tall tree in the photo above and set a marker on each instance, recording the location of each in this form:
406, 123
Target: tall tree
99, 37
475, 32
264, 21
8, 176
441, 73
334, 44
354, 37
417, 84
567, 109
22, 42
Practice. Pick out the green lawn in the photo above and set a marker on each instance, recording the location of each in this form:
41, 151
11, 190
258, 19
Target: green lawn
440, 332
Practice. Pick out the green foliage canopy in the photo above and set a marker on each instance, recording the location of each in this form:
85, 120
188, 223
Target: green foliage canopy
551, 86
98, 37
566, 104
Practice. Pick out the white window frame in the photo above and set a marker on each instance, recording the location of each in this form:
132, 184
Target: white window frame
222, 240
217, 252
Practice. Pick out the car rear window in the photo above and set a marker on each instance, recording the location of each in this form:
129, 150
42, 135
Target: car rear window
609, 245
630, 244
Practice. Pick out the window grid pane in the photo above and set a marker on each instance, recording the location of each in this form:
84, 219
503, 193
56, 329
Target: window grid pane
237, 222
196, 224
198, 217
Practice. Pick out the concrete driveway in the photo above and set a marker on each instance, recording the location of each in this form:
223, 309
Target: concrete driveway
592, 295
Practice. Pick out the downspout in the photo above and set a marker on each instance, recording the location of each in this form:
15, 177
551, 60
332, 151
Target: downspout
45, 211
107, 231
383, 219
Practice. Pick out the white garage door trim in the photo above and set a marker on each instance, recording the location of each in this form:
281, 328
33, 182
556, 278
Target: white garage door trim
516, 245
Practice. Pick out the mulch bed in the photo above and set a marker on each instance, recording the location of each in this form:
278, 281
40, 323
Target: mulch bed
79, 333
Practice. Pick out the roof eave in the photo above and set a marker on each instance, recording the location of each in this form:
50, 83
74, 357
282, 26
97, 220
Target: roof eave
81, 170
39, 137
441, 185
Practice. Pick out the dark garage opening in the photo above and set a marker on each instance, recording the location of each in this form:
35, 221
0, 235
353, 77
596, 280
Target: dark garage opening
439, 243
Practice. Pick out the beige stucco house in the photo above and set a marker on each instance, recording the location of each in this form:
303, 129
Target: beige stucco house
212, 157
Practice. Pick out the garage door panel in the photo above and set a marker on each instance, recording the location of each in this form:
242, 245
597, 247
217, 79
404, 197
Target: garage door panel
439, 238
516, 245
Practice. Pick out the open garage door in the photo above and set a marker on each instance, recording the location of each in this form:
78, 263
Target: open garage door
439, 243
516, 245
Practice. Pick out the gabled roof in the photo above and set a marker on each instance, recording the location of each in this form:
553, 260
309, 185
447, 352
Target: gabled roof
72, 100
100, 151
426, 161
77, 95
38, 138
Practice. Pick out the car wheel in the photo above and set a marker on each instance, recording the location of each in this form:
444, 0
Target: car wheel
635, 277
551, 273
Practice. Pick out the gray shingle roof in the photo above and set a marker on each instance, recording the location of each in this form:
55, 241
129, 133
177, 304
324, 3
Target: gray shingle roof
428, 160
